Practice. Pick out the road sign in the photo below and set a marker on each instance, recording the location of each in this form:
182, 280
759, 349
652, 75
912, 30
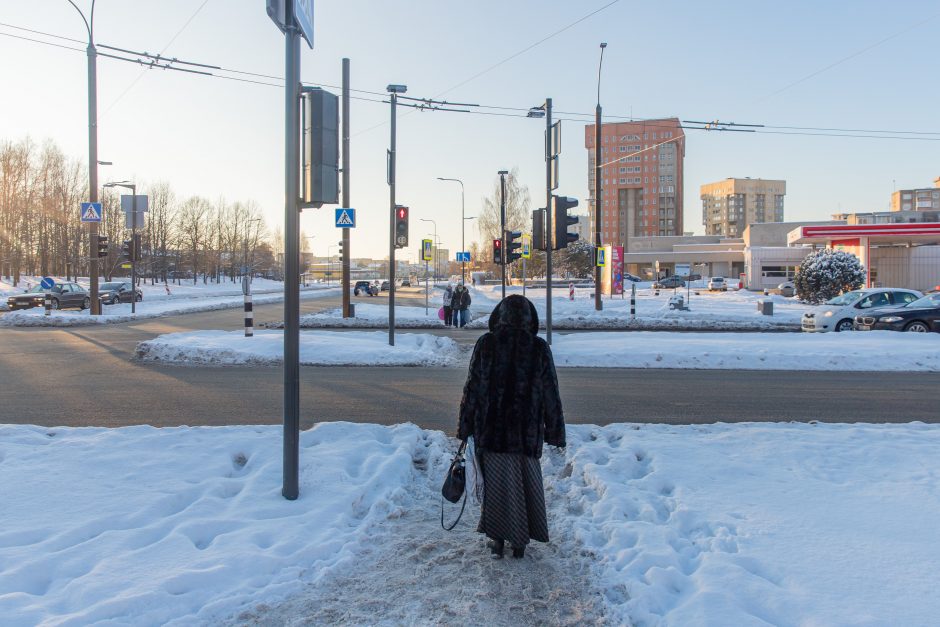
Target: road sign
47, 282
91, 212
601, 257
345, 218
129, 220
127, 203
126, 266
463, 257
426, 250
526, 246
303, 14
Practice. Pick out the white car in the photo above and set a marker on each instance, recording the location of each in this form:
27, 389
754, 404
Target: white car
839, 313
717, 283
787, 288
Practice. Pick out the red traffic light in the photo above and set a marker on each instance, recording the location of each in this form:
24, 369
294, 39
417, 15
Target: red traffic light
497, 243
402, 213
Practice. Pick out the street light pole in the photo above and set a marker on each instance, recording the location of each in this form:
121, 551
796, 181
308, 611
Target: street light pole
463, 222
598, 194
502, 223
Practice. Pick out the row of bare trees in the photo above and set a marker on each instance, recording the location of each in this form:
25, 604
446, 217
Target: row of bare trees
192, 238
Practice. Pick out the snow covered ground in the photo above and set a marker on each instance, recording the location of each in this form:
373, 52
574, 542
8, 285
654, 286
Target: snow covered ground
745, 524
186, 298
370, 317
317, 348
862, 351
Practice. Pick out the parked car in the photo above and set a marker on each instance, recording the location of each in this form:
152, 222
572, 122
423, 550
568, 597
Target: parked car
385, 286
920, 316
365, 287
631, 277
405, 283
668, 283
787, 288
717, 283
839, 313
114, 292
63, 295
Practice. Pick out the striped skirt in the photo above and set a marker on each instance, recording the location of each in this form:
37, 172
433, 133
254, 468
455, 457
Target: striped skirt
513, 499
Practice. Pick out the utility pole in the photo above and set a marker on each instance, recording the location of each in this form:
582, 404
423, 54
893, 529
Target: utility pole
394, 90
549, 243
598, 194
347, 256
502, 222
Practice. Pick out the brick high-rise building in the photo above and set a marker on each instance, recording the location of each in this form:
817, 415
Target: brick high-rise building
730, 205
642, 185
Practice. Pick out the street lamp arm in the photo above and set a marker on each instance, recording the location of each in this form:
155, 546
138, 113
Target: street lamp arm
91, 40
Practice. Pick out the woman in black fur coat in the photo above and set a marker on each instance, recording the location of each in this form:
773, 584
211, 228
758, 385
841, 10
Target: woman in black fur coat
510, 406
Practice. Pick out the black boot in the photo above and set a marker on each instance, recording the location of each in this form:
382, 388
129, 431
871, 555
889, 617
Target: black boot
496, 548
518, 553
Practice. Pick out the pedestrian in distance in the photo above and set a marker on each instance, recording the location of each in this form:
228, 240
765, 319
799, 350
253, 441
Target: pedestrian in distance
511, 406
448, 302
460, 305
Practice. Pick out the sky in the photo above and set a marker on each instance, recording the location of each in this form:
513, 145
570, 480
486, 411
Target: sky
848, 65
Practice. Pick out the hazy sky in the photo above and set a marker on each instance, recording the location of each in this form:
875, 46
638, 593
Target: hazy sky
732, 61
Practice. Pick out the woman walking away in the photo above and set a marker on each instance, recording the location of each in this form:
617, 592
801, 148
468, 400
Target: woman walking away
511, 406
460, 305
448, 301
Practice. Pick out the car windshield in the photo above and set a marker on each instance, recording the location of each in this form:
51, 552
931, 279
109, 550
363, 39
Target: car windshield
35, 289
928, 301
111, 286
845, 299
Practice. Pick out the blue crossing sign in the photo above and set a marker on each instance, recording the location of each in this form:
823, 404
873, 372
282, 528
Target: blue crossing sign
345, 218
91, 212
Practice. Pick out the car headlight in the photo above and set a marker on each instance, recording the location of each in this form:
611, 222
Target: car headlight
891, 319
828, 314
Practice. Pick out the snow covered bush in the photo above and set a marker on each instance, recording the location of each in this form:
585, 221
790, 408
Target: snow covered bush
827, 273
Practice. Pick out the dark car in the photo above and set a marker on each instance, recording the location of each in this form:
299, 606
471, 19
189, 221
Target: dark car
365, 287
63, 295
631, 277
668, 283
114, 292
920, 316
384, 286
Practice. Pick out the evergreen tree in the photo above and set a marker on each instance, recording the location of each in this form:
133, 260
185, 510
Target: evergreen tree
827, 273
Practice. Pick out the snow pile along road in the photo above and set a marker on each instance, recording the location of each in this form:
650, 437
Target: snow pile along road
369, 316
322, 348
745, 524
861, 351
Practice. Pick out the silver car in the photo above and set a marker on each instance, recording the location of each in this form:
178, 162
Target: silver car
838, 314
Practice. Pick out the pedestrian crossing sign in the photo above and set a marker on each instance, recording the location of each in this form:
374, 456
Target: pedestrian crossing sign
91, 212
601, 257
345, 218
426, 250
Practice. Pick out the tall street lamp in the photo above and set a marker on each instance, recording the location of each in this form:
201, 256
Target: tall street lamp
437, 252
502, 222
598, 194
463, 222
134, 247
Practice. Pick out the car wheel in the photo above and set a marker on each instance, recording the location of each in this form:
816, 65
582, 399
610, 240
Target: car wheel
356, 292
917, 327
86, 303
114, 300
55, 303
139, 298
844, 325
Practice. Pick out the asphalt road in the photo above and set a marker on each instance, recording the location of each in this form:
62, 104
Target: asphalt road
86, 376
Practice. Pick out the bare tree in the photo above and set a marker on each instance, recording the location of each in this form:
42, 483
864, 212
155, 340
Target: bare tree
518, 213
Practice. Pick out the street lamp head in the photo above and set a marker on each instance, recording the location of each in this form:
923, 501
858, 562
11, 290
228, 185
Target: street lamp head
105, 163
396, 89
603, 44
536, 112
503, 172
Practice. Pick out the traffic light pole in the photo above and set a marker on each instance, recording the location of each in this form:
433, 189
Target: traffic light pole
598, 195
391, 225
346, 254
502, 223
134, 248
549, 233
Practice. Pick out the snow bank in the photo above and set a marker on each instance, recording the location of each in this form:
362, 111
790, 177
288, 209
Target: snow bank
147, 308
145, 526
369, 317
316, 348
745, 524
861, 351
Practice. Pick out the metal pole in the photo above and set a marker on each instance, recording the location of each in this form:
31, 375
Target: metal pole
93, 172
427, 288
463, 243
347, 256
523, 276
135, 248
391, 226
598, 194
502, 224
291, 487
633, 301
549, 233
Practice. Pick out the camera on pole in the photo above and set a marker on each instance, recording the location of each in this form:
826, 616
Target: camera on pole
401, 226
498, 251
102, 246
513, 243
561, 237
538, 229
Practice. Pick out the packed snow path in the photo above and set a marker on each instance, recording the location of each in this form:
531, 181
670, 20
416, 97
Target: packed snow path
411, 571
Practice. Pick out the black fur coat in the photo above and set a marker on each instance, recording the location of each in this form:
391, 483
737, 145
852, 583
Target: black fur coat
511, 402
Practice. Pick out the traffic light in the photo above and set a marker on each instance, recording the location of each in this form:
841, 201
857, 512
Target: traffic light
102, 246
538, 229
341, 249
498, 251
127, 250
513, 243
320, 147
562, 220
401, 226
136, 248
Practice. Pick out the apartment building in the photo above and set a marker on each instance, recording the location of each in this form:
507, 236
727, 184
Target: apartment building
641, 179
730, 205
923, 199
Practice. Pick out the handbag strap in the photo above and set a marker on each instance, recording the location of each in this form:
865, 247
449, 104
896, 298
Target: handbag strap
462, 506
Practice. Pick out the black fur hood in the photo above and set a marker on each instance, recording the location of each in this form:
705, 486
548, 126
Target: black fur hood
515, 312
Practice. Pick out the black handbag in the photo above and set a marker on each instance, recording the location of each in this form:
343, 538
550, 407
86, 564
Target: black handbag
455, 484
